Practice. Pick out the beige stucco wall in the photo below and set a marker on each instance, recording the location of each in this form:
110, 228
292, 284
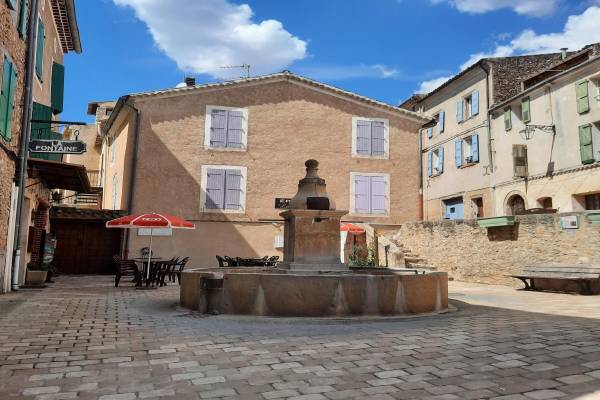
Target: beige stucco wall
468, 181
555, 103
91, 158
287, 124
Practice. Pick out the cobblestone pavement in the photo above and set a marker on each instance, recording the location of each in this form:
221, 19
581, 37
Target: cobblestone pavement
81, 338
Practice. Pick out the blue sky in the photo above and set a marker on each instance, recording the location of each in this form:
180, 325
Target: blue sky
385, 49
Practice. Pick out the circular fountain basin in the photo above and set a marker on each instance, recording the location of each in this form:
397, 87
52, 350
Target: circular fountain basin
279, 292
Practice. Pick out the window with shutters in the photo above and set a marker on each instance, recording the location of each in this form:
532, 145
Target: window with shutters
582, 94
466, 150
520, 169
440, 117
7, 98
370, 137
223, 189
508, 118
525, 110
586, 144
467, 106
435, 162
369, 194
226, 128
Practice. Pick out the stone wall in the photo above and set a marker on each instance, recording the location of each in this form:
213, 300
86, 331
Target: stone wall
471, 253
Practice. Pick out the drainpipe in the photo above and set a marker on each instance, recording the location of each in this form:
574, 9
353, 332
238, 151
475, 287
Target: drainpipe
489, 133
420, 169
136, 135
25, 131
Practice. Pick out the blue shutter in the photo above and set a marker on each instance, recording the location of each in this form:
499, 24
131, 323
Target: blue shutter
440, 165
429, 133
429, 163
233, 189
215, 188
475, 103
458, 152
235, 129
378, 195
23, 13
363, 137
459, 110
475, 147
377, 138
441, 121
218, 128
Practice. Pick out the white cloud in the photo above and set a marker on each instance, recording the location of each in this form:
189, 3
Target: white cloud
579, 31
430, 85
202, 36
534, 8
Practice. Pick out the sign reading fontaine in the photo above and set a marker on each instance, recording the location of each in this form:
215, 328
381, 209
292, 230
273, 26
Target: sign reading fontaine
57, 146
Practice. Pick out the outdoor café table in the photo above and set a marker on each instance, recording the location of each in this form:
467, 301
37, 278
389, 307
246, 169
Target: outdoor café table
144, 262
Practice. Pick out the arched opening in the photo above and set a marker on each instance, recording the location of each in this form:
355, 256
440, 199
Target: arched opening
516, 205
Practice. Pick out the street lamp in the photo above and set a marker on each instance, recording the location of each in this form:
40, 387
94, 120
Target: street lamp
529, 130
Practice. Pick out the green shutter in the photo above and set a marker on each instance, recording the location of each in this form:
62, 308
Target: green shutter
507, 119
586, 146
7, 99
22, 28
42, 130
525, 110
58, 87
39, 55
583, 99
12, 4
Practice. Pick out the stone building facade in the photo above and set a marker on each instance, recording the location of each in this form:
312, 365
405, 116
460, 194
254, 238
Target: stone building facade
366, 151
57, 34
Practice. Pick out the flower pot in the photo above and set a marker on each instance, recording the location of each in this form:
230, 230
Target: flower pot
35, 278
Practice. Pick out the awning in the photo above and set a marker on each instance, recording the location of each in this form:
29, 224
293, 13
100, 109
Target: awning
347, 227
61, 175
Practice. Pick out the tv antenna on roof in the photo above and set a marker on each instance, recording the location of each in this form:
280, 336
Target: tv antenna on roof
245, 67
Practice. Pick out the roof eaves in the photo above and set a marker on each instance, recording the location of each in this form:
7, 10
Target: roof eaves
481, 63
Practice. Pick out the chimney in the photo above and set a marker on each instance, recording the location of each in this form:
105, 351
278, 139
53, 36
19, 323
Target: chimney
563, 52
189, 81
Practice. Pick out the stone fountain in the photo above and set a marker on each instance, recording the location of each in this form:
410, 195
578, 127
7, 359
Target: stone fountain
312, 281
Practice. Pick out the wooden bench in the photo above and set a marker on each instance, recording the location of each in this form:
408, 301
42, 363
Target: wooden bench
582, 274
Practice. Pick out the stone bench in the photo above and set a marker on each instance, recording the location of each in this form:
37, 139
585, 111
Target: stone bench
584, 278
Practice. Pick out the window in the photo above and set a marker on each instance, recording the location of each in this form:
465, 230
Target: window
435, 162
369, 193
466, 150
507, 119
583, 99
39, 56
7, 99
520, 169
226, 128
370, 137
441, 121
467, 106
113, 150
592, 201
586, 145
525, 112
545, 202
516, 205
223, 189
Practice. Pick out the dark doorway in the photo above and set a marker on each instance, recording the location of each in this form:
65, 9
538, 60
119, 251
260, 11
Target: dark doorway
516, 205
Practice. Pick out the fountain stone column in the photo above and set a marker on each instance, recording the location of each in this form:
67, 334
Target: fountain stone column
312, 227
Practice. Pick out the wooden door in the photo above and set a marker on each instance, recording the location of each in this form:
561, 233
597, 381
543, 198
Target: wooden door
85, 247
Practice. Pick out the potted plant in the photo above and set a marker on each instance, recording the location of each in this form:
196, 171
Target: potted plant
36, 274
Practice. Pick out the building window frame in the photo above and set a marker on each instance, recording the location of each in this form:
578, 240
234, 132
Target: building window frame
352, 191
208, 128
204, 182
386, 138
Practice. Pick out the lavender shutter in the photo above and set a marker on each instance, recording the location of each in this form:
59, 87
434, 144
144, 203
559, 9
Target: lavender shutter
362, 195
441, 121
429, 164
429, 133
218, 128
377, 195
363, 137
459, 111
233, 189
215, 188
458, 156
440, 165
235, 129
475, 103
377, 138
475, 147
